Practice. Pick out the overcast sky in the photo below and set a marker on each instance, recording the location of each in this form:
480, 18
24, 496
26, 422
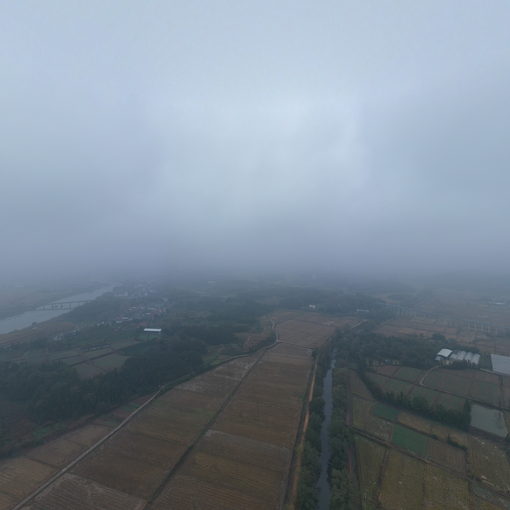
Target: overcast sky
349, 135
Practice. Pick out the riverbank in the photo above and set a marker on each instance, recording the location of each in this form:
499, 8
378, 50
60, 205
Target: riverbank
27, 318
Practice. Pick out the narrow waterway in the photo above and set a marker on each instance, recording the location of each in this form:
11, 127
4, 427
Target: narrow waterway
323, 483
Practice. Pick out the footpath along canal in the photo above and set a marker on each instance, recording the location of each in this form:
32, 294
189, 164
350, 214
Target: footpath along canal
327, 394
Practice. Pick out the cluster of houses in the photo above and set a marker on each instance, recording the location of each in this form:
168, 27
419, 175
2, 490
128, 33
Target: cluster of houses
448, 357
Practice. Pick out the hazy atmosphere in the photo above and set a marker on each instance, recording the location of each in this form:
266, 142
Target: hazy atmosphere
353, 136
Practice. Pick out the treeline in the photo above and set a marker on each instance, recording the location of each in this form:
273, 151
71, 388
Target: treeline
307, 495
53, 391
366, 348
419, 404
344, 493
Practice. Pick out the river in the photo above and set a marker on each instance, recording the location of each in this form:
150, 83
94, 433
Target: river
25, 319
323, 483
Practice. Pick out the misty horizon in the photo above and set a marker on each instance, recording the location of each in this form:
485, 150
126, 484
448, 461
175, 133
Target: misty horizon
365, 138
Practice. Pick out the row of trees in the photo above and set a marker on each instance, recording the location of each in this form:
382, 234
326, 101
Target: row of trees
366, 347
307, 496
344, 495
420, 405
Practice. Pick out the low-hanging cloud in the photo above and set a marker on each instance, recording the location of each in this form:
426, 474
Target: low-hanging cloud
339, 135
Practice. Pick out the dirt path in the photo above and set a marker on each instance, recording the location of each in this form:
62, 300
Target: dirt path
297, 453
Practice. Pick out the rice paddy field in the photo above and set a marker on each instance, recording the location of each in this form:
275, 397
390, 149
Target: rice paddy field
222, 440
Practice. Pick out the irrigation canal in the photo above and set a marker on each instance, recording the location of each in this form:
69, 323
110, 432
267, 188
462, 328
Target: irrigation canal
327, 394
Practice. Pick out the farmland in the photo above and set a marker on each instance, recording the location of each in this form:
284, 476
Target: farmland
448, 388
223, 439
408, 460
370, 457
427, 465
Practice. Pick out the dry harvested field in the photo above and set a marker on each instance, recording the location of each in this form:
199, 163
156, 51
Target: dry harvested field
446, 455
370, 457
76, 493
489, 464
309, 329
402, 483
19, 476
125, 470
303, 333
473, 384
427, 327
410, 483
243, 460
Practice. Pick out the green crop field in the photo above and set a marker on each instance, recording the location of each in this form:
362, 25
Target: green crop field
387, 412
410, 440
